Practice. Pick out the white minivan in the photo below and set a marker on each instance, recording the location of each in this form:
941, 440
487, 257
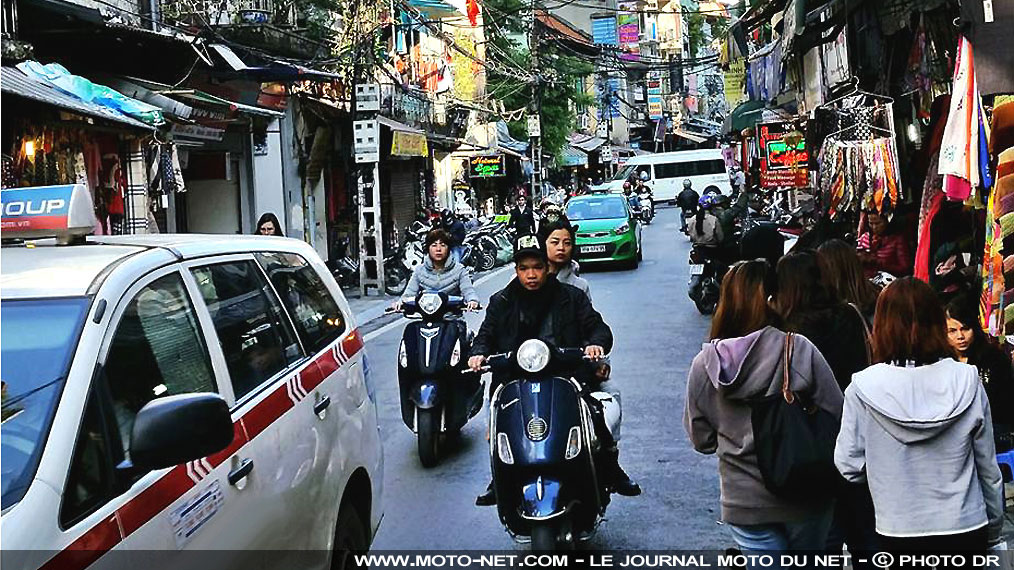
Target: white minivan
705, 169
178, 401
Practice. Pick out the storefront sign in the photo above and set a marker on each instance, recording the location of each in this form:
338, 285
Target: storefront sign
486, 166
629, 30
734, 80
197, 132
783, 163
604, 31
408, 144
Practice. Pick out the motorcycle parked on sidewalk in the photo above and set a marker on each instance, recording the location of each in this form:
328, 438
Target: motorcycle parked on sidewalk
402, 261
438, 393
346, 266
542, 447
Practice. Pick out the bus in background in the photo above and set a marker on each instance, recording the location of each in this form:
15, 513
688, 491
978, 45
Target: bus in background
705, 169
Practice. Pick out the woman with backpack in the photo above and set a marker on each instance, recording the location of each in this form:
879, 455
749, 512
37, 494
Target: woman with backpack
916, 426
740, 372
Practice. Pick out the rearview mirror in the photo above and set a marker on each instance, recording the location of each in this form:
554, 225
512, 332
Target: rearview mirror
175, 429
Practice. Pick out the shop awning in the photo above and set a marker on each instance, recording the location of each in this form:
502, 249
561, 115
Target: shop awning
273, 70
200, 97
14, 82
573, 157
693, 137
587, 143
395, 126
744, 116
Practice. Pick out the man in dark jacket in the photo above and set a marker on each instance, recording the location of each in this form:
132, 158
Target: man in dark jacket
687, 203
522, 219
456, 229
536, 305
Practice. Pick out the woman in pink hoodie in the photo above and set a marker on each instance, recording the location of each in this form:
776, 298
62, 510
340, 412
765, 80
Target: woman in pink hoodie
742, 364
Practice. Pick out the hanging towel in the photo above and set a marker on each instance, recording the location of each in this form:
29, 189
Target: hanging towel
959, 161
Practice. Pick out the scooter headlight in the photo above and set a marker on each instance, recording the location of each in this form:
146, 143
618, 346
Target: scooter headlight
533, 355
503, 449
429, 303
573, 443
402, 356
456, 353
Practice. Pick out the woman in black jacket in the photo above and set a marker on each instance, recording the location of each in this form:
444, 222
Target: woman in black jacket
838, 330
995, 369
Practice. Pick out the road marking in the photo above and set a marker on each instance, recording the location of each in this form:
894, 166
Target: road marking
398, 323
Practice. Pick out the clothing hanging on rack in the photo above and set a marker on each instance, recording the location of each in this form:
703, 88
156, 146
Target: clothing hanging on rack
859, 175
966, 131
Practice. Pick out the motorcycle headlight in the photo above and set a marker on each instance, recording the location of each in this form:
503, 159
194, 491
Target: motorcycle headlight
533, 355
402, 356
573, 443
429, 303
456, 353
622, 229
503, 449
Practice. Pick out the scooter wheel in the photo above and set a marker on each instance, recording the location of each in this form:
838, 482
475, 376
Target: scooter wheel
429, 437
544, 536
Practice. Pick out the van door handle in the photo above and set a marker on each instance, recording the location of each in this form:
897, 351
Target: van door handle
239, 473
321, 405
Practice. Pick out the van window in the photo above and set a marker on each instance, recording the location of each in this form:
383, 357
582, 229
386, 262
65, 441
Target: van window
157, 350
90, 481
253, 330
317, 317
687, 169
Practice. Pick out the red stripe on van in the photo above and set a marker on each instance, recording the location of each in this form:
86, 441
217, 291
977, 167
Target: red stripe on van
88, 547
267, 411
352, 343
153, 500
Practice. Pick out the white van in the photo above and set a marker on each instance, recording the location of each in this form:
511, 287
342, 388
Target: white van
667, 170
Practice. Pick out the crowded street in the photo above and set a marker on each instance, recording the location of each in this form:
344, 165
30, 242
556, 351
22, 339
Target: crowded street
657, 334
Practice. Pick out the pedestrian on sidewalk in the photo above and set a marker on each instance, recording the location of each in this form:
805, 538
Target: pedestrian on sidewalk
995, 372
917, 427
440, 272
743, 363
841, 269
839, 332
268, 225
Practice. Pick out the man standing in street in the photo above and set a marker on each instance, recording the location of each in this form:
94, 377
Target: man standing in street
522, 219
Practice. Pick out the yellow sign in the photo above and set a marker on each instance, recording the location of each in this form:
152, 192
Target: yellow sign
408, 144
735, 80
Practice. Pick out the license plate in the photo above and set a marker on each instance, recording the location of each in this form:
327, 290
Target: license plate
696, 269
593, 249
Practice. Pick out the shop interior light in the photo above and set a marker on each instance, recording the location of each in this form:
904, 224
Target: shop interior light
30, 148
913, 132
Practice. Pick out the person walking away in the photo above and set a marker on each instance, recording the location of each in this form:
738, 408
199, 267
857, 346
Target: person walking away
841, 269
743, 363
268, 225
885, 248
973, 347
839, 332
440, 272
522, 220
455, 228
687, 202
536, 305
917, 427
559, 236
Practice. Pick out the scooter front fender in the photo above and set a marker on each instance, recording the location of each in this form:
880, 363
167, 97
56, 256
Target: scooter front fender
541, 500
425, 395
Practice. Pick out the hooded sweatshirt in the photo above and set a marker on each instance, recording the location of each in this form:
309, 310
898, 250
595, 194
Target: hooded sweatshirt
923, 439
569, 274
724, 379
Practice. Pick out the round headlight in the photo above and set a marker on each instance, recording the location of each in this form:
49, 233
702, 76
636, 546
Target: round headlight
429, 303
533, 355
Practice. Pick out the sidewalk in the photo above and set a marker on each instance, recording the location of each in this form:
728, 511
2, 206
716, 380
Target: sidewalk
371, 308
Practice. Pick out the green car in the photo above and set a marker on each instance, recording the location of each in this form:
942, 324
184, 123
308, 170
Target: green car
607, 229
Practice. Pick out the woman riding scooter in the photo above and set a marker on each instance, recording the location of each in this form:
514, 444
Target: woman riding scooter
440, 272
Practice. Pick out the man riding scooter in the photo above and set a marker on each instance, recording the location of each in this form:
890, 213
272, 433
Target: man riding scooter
687, 203
536, 305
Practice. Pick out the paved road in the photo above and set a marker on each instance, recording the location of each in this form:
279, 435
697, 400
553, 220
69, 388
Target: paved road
657, 333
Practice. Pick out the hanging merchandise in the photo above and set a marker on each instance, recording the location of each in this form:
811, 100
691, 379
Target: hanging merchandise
966, 134
858, 161
997, 301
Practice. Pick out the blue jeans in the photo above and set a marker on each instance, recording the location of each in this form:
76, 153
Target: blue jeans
809, 536
456, 253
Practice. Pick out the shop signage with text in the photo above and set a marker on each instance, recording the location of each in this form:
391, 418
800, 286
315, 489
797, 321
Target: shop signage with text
408, 144
486, 166
783, 162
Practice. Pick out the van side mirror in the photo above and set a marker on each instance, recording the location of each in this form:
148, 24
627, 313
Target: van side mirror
175, 429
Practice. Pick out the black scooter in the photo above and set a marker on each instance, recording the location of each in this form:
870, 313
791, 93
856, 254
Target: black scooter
707, 269
438, 394
541, 446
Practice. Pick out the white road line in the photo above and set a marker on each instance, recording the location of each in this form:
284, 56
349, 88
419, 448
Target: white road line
399, 323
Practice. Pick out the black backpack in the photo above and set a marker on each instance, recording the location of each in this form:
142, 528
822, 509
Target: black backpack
795, 441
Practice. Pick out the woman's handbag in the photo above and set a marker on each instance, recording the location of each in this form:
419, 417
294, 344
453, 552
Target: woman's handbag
795, 441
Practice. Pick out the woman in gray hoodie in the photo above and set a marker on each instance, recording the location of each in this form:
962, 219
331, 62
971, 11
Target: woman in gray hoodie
441, 272
743, 363
917, 427
558, 235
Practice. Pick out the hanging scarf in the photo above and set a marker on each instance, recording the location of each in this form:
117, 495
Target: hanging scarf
959, 152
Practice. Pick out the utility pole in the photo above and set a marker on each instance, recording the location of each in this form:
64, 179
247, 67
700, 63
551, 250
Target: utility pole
535, 110
366, 139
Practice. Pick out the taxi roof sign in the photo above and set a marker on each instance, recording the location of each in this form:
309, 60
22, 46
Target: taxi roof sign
64, 212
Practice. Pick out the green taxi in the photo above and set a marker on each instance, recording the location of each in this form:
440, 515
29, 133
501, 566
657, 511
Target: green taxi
607, 229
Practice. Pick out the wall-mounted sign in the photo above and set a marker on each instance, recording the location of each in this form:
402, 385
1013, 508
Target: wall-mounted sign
534, 126
408, 144
604, 31
783, 163
486, 166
